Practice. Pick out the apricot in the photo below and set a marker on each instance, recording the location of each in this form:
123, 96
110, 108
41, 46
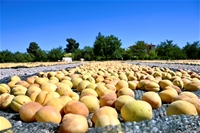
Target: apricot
121, 84
76, 81
152, 98
15, 78
91, 102
105, 120
44, 96
192, 86
62, 88
33, 96
136, 111
181, 107
18, 101
31, 79
111, 87
48, 114
76, 107
180, 97
122, 100
23, 83
108, 100
178, 82
65, 99
73, 123
57, 103
12, 83
125, 91
164, 83
152, 86
19, 90
196, 103
82, 85
50, 87
132, 85
67, 81
91, 85
105, 110
167, 95
32, 89
27, 111
5, 100
40, 80
173, 87
5, 123
72, 95
142, 83
189, 94
100, 88
4, 88
89, 91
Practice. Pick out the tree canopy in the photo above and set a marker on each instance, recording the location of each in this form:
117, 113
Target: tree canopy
33, 48
71, 46
139, 50
107, 47
56, 54
192, 51
169, 50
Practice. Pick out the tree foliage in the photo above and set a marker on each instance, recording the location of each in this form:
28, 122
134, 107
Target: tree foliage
139, 50
192, 51
104, 48
56, 54
99, 45
71, 46
35, 50
107, 47
168, 50
6, 56
88, 53
77, 54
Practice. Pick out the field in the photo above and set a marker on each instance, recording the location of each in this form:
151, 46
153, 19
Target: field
80, 92
35, 64
30, 64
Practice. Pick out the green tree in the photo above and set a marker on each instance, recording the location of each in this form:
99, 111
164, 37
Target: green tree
88, 53
56, 54
71, 46
113, 49
192, 50
99, 46
42, 55
152, 55
118, 54
168, 50
6, 56
19, 57
29, 57
127, 54
107, 47
139, 50
35, 50
77, 54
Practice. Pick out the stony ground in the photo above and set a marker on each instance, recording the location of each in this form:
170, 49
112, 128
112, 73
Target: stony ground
159, 124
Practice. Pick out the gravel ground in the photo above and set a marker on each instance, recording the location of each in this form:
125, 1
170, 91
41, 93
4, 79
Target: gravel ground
5, 74
172, 66
160, 123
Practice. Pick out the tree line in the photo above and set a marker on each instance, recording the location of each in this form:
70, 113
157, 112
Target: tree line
105, 48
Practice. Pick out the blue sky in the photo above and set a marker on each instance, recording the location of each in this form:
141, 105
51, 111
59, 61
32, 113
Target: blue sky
49, 23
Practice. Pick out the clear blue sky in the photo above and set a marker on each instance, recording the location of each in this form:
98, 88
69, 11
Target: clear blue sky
49, 23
